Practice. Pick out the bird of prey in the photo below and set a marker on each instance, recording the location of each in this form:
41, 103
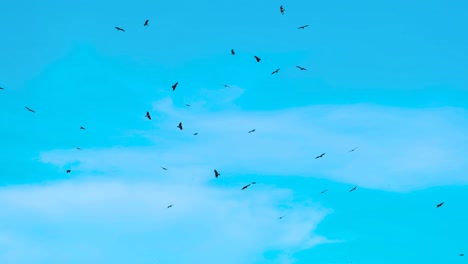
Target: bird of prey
30, 110
82, 127
216, 173
245, 187
77, 148
354, 188
233, 52
353, 149
439, 205
319, 156
195, 134
163, 168
169, 206
68, 171
148, 115
174, 86
257, 58
282, 10
146, 23
227, 86
119, 29
302, 27
323, 191
301, 68
180, 126
281, 217
253, 130
275, 71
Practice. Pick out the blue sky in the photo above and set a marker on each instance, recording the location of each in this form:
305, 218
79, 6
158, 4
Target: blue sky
387, 76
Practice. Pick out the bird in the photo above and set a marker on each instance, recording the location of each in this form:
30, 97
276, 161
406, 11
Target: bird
319, 156
146, 23
323, 191
461, 255
1, 88
119, 29
148, 115
216, 173
353, 149
82, 128
187, 105
233, 52
281, 217
253, 130
282, 10
163, 168
439, 205
169, 206
354, 188
257, 58
195, 134
174, 86
77, 148
180, 126
275, 71
227, 86
30, 110
302, 27
301, 68
68, 171
245, 187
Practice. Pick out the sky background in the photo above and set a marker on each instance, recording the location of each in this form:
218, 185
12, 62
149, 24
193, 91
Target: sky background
388, 77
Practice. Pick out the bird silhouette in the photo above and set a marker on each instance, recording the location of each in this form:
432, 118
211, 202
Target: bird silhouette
275, 71
251, 131
353, 149
354, 188
257, 58
227, 86
30, 110
163, 168
195, 134
246, 186
148, 115
281, 217
1, 88
301, 68
323, 191
439, 205
187, 105
174, 86
319, 156
146, 23
169, 206
461, 255
77, 148
216, 173
180, 126
120, 29
282, 10
302, 27
68, 171
233, 52
82, 128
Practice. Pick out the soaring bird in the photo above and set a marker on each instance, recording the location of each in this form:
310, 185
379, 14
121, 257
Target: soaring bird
148, 115
146, 23
195, 134
282, 10
245, 187
119, 29
275, 71
281, 217
302, 27
301, 68
353, 149
319, 156
233, 52
163, 168
227, 86
187, 105
323, 191
439, 205
169, 206
77, 148
461, 255
68, 171
251, 131
257, 58
216, 173
174, 86
354, 188
82, 128
180, 126
30, 110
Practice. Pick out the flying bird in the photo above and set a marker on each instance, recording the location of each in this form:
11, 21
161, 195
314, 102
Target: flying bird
163, 168
461, 255
146, 23
227, 86
187, 105
82, 127
301, 68
354, 188
180, 126
245, 187
216, 173
169, 206
275, 71
30, 110
174, 86
281, 217
353, 149
68, 171
195, 134
302, 27
323, 191
319, 156
119, 29
77, 148
1, 88
233, 52
148, 115
282, 10
253, 130
257, 58
439, 205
